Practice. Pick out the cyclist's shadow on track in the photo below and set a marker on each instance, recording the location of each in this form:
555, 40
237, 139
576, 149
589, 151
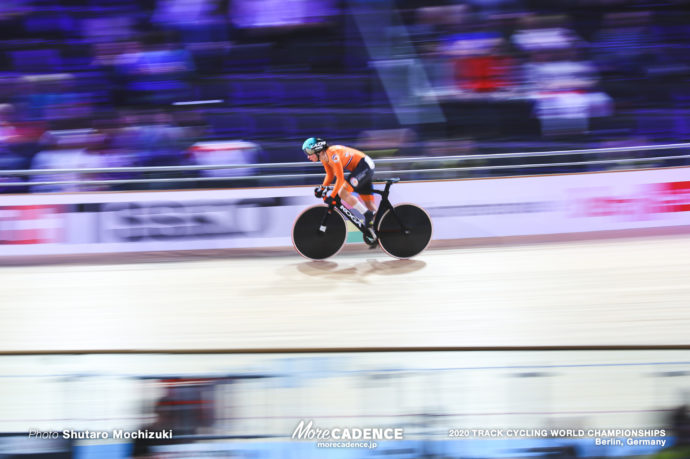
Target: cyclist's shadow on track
358, 272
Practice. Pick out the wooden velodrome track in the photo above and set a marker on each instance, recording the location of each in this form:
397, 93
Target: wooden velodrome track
616, 292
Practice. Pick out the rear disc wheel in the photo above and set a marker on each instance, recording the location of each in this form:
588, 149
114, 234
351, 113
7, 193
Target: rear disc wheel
409, 238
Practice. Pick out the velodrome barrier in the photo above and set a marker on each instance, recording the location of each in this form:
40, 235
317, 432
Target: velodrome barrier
482, 404
42, 224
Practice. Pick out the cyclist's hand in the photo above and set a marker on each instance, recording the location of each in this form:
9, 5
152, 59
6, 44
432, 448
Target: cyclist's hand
319, 191
331, 201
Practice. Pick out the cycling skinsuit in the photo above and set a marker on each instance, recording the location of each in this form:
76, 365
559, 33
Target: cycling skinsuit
360, 166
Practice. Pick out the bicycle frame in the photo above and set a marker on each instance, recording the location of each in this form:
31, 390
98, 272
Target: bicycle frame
385, 204
345, 212
359, 223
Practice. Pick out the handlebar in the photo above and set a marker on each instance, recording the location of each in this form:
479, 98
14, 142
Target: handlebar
389, 181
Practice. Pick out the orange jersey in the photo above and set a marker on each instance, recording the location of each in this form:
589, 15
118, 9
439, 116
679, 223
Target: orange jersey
336, 160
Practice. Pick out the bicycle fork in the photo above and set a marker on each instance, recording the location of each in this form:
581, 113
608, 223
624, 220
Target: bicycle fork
322, 225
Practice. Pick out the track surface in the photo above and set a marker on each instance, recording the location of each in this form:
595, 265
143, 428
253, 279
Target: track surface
614, 292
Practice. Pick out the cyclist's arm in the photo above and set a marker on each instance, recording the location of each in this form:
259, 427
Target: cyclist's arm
329, 176
339, 179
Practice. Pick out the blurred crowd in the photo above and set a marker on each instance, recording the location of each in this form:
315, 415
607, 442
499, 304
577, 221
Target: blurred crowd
110, 83
607, 70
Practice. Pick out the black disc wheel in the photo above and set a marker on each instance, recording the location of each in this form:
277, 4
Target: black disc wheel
313, 243
405, 232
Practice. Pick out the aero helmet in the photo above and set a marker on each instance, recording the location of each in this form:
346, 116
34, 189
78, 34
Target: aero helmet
314, 146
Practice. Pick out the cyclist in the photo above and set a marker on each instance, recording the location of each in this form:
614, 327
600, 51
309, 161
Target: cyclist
336, 159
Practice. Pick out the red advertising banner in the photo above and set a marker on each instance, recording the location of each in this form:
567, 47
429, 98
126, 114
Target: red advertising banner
39, 224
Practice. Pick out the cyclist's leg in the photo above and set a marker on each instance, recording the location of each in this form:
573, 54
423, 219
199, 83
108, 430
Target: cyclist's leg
368, 200
346, 196
368, 213
361, 179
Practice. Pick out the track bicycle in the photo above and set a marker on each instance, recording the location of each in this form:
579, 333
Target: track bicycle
402, 231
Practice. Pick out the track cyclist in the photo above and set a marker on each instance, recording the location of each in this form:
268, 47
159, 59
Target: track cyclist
336, 159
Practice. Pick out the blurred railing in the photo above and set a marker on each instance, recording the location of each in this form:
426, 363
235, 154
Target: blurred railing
265, 395
411, 168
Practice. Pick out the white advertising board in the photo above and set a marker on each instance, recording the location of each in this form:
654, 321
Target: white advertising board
557, 204
254, 218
